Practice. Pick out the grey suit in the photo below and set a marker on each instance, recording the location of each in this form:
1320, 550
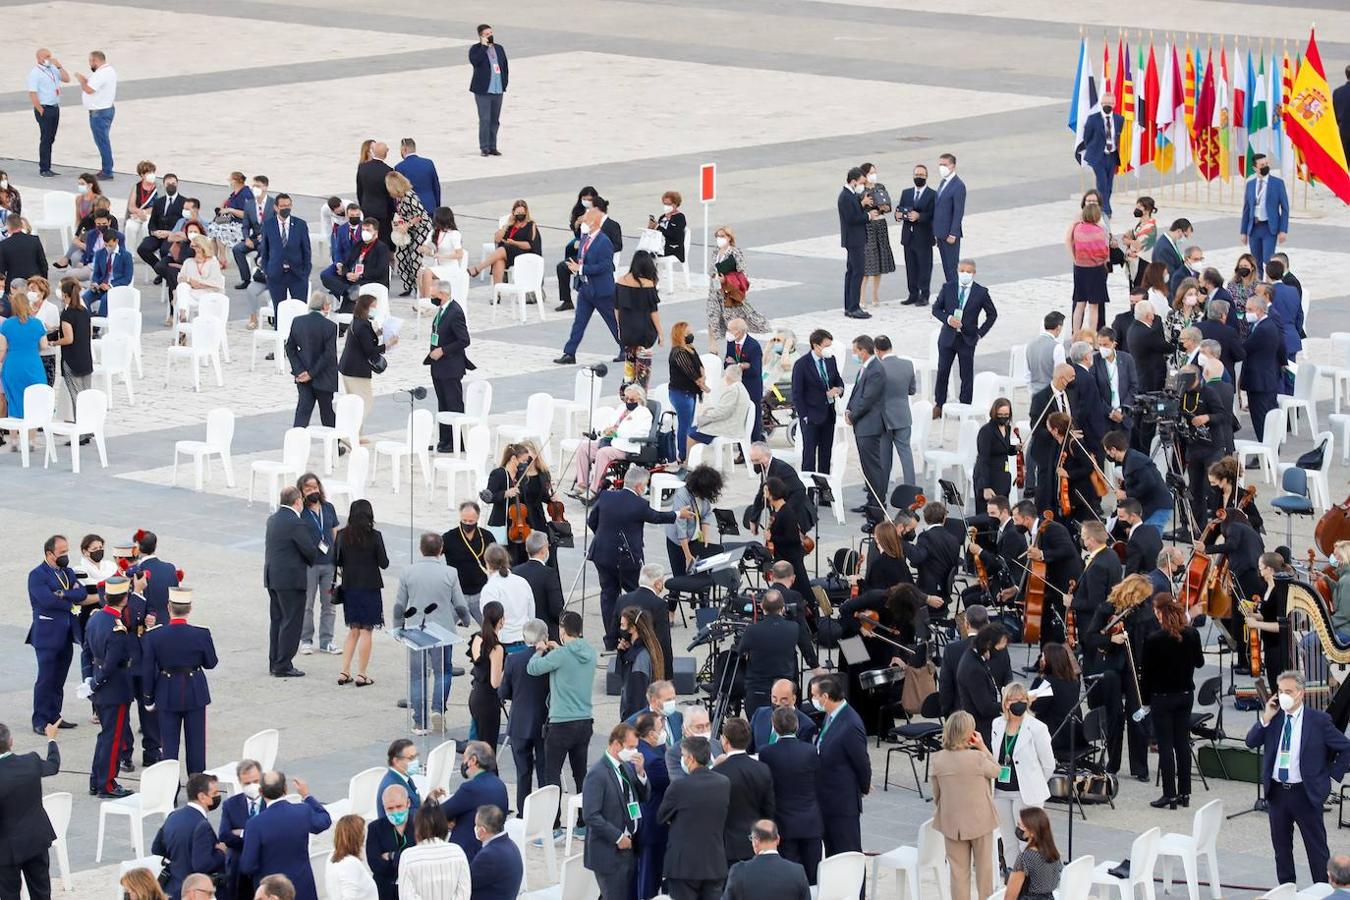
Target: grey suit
865, 409
900, 386
673, 758
1041, 361
290, 548
604, 809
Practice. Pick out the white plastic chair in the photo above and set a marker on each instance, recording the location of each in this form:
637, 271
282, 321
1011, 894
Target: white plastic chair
840, 877
348, 412
360, 798
39, 407
1304, 397
262, 747
578, 883
379, 310
1018, 371
126, 322
586, 391
1202, 841
203, 347
538, 425
159, 783
477, 408
536, 823
474, 462
1341, 421
115, 358
527, 278
1267, 450
91, 413
416, 441
925, 367
1075, 880
1315, 891
358, 473
712, 375
839, 454
1283, 892
1143, 860
58, 214
58, 807
211, 306
921, 422
440, 766
661, 487
963, 456
1339, 372
982, 396
668, 263
1318, 479
153, 863
293, 463
274, 339
219, 439
910, 864
721, 446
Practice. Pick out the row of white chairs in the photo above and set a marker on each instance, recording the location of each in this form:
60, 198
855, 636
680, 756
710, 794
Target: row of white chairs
39, 414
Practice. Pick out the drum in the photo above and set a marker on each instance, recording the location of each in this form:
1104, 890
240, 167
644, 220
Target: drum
873, 679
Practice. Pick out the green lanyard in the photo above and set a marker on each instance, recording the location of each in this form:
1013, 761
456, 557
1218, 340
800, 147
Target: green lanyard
1009, 741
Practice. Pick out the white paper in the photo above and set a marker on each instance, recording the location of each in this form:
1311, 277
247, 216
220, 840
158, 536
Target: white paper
391, 328
1042, 690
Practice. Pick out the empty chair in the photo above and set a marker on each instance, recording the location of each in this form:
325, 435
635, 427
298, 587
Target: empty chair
274, 339
911, 864
1018, 372
1283, 892
838, 465
91, 412
1143, 859
477, 408
39, 406
159, 783
1202, 841
360, 797
527, 279
262, 746
536, 824
840, 877
210, 306
203, 346
1266, 450
1304, 397
58, 807
586, 390
1339, 371
348, 412
58, 214
441, 764
474, 463
538, 425
578, 883
219, 439
416, 442
1076, 879
982, 396
963, 456
293, 463
125, 322
925, 367
358, 473
116, 352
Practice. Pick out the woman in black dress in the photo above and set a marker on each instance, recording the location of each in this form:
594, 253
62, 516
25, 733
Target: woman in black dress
672, 225
785, 533
77, 360
505, 485
1224, 492
995, 444
487, 656
635, 306
519, 235
887, 566
1059, 670
358, 553
1167, 686
1273, 606
363, 345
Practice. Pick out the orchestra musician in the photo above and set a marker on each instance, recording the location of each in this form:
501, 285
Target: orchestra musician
1140, 480
785, 530
1050, 541
977, 691
886, 566
1044, 449
1276, 576
1078, 467
1009, 544
1117, 626
1059, 671
1225, 492
1144, 541
935, 553
1171, 563
995, 445
899, 613
768, 466
1168, 661
1100, 576
1204, 406
1238, 541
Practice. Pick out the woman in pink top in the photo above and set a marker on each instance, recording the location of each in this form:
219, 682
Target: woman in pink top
1089, 247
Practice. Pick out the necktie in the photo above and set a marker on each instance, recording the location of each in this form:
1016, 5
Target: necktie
285, 229
1261, 194
942, 184
961, 300
773, 738
824, 379
1110, 133
1283, 773
252, 808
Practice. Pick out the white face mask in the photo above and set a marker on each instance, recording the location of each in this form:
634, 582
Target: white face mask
668, 708
859, 188
1286, 702
4, 182
367, 235
257, 191
944, 171
661, 736
872, 178
584, 228
816, 702
252, 791
149, 177
667, 208
628, 754
723, 241
585, 204
32, 296
82, 187
966, 278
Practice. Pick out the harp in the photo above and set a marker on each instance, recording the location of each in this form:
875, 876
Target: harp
1314, 649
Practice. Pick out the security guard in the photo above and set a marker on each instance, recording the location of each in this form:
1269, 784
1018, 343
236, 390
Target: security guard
139, 619
173, 658
110, 645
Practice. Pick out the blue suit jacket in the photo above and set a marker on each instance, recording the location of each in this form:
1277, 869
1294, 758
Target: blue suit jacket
277, 842
796, 772
54, 625
978, 303
343, 241
189, 842
168, 649
598, 266
762, 723
1324, 753
949, 209
528, 695
110, 647
421, 173
616, 519
122, 265
252, 226
1265, 357
461, 807
273, 258
1277, 207
845, 767
163, 575
808, 388
390, 778
497, 870
753, 354
1287, 309
234, 817
852, 220
1094, 140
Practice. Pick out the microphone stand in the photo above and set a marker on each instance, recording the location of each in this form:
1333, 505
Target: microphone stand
413, 395
599, 370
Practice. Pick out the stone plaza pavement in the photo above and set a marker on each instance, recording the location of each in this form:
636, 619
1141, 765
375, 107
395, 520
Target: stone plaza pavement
783, 97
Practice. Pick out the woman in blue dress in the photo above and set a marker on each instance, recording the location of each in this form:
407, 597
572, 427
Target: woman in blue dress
22, 339
651, 836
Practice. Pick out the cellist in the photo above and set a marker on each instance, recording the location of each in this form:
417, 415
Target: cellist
1243, 546
1051, 543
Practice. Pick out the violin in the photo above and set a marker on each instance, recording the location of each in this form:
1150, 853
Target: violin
869, 623
1021, 479
518, 517
1065, 501
1071, 626
981, 574
1033, 595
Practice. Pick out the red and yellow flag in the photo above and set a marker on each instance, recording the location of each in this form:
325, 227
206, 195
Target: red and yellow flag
1189, 92
1311, 124
1125, 104
1206, 135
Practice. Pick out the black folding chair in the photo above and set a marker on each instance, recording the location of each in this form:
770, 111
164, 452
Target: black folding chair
916, 740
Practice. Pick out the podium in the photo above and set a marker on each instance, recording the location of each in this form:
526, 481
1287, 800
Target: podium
425, 644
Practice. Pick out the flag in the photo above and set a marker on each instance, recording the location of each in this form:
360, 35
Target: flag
1239, 117
1083, 102
1145, 102
1125, 103
1222, 115
1179, 132
1311, 124
1117, 86
1288, 161
1258, 119
1188, 72
1164, 111
1206, 135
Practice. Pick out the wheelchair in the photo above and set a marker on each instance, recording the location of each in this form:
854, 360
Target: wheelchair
655, 452
777, 411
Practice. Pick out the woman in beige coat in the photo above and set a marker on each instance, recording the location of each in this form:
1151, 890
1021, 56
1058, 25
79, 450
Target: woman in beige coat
962, 775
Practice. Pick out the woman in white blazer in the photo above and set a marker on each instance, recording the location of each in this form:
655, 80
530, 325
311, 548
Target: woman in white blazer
1021, 744
346, 876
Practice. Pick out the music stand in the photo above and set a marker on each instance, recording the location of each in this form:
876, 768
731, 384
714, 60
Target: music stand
819, 492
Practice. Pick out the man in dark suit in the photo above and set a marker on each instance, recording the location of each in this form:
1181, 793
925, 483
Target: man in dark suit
1101, 146
959, 307
497, 870
1005, 563
853, 206
284, 255
999, 664
164, 214
815, 386
174, 656
864, 414
187, 840
448, 361
112, 267
769, 466
795, 767
487, 84
1101, 574
1214, 328
895, 415
290, 549
544, 583
695, 809
949, 211
616, 520
1141, 481
1051, 542
1302, 750
1150, 349
160, 576
744, 351
235, 813
421, 174
276, 841
845, 767
594, 271
1090, 408
1168, 248
257, 210
1045, 449
751, 797
346, 232
615, 787
21, 255
367, 262
1122, 381
647, 598
609, 227
1143, 544
528, 696
1193, 265
25, 831
481, 787
311, 349
935, 553
767, 873
386, 840
1261, 372
53, 589
372, 194
915, 212
770, 646
782, 694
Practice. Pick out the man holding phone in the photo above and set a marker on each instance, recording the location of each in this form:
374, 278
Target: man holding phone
488, 84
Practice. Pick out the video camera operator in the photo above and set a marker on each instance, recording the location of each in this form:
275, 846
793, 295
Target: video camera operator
770, 648
1209, 430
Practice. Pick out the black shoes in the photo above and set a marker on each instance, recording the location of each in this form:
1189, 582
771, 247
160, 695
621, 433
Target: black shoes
1184, 800
494, 153
117, 792
48, 173
620, 358
858, 314
486, 152
64, 724
292, 672
1164, 802
241, 285
566, 359
564, 307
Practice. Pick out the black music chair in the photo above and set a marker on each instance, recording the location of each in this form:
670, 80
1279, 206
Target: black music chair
1207, 721
916, 740
1294, 501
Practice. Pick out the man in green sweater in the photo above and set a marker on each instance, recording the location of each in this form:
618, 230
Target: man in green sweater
570, 667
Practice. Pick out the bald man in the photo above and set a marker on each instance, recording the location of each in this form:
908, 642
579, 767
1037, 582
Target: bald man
44, 92
371, 193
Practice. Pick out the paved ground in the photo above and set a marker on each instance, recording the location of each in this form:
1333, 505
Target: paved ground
784, 98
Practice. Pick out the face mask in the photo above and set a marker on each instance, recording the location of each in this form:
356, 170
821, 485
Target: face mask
859, 188
1264, 170
872, 178
1020, 834
1107, 353
32, 296
857, 360
723, 242
81, 187
584, 228
684, 765
257, 191
820, 707
62, 561
4, 183
1243, 271
1003, 420
628, 754
367, 235
661, 736
966, 279
170, 189
463, 770
1286, 702
215, 803
1138, 213
944, 171
284, 213
397, 816
585, 204
490, 39
436, 301
689, 339
96, 555
668, 708
667, 208
353, 220
1017, 708
253, 791
149, 177
631, 404
414, 768
520, 217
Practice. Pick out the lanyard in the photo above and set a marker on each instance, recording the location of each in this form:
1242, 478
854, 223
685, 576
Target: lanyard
1009, 741
476, 554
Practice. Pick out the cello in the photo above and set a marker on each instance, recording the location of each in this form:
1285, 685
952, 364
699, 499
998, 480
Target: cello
1332, 527
1033, 595
1194, 588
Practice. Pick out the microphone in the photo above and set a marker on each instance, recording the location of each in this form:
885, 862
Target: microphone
414, 393
426, 611
409, 613
600, 369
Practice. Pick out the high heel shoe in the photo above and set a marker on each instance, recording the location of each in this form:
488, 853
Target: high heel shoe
1184, 801
1164, 802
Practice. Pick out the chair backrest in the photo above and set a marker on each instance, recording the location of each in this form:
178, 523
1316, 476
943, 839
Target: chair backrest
440, 764
295, 449
478, 444
1144, 855
1277, 429
206, 334
587, 381
59, 206
528, 271
348, 411
967, 443
478, 399
126, 321
287, 312
1283, 892
932, 847
122, 297
362, 788
91, 409
459, 287
159, 784
1208, 694
116, 351
539, 413
985, 391
576, 878
420, 428
1305, 381
58, 807
1208, 821
39, 405
1340, 342
539, 809
220, 428
921, 417
749, 428
216, 306
1327, 441
1018, 370
263, 747
358, 471
1295, 481
1076, 879
712, 374
379, 311
841, 876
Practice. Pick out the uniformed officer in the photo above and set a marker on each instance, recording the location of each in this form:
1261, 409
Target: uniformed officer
140, 619
173, 659
110, 645
54, 592
160, 575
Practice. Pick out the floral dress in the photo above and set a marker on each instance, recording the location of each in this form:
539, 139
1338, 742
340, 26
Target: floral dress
718, 312
409, 256
1241, 294
1176, 322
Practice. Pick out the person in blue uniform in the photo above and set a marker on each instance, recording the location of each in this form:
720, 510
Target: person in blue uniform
173, 658
138, 619
160, 575
54, 592
111, 648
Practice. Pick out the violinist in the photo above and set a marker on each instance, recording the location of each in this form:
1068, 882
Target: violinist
1075, 469
1144, 542
1123, 620
1170, 566
1049, 541
1100, 576
785, 531
1044, 449
900, 618
517, 490
936, 554
1009, 544
1276, 576
1243, 547
886, 567
1140, 480
1225, 493
1203, 407
995, 449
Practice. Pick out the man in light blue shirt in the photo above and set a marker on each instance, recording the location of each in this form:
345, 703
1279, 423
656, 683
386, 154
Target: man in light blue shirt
488, 83
44, 92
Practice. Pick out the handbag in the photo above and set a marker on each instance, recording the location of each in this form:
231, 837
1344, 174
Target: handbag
338, 593
734, 287
1312, 459
399, 237
919, 682
653, 241
378, 363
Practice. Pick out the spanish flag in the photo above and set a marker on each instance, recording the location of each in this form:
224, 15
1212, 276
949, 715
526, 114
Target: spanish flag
1311, 124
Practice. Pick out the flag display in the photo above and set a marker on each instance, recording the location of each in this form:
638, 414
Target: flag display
1205, 134
1311, 124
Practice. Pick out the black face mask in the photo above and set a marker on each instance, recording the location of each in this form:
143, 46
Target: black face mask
353, 220
520, 217
96, 555
689, 339
436, 301
1138, 213
284, 213
1018, 707
759, 468
490, 39
62, 561
1021, 835
170, 189
463, 770
1243, 272
631, 404
312, 499
215, 803
920, 182
1264, 170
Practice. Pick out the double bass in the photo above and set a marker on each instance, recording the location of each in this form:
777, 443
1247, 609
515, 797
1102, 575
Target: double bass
1033, 595
1332, 527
